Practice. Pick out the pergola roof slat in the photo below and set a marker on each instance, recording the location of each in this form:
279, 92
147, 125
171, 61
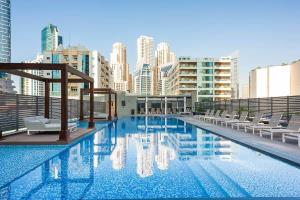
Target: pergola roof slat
24, 74
73, 80
80, 74
15, 67
31, 66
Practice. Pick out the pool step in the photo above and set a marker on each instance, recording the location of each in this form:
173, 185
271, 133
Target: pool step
212, 188
230, 186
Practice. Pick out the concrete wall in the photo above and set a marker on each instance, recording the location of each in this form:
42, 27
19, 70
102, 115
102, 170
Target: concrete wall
194, 99
130, 103
295, 78
270, 81
279, 81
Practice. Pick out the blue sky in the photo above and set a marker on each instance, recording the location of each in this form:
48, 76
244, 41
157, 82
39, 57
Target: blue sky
264, 31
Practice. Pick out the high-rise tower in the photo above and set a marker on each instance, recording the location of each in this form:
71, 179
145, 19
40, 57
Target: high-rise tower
118, 61
50, 38
144, 51
5, 45
5, 32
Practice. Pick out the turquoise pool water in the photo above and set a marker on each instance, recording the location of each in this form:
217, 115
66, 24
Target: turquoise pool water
138, 157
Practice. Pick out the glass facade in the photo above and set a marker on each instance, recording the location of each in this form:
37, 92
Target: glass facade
50, 38
60, 40
55, 74
5, 33
85, 67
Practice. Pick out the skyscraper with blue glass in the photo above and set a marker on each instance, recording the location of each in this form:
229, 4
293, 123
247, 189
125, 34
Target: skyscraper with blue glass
50, 38
5, 44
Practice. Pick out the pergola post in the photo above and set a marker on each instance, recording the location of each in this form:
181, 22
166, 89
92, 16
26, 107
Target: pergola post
184, 104
166, 105
161, 105
177, 107
81, 105
64, 133
47, 99
109, 106
91, 122
146, 105
116, 105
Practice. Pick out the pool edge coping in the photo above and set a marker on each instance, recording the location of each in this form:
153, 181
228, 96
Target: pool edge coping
276, 155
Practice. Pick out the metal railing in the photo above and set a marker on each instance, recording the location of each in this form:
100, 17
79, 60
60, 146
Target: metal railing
15, 107
284, 104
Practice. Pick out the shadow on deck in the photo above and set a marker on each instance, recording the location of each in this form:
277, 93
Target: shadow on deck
43, 138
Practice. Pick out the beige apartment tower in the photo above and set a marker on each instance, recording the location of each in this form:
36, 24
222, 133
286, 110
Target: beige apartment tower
118, 62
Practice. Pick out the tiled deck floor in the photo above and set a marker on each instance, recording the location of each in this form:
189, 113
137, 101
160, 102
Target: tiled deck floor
41, 138
285, 151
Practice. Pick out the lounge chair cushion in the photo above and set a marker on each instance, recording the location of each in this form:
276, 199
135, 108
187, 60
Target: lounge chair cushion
52, 126
294, 134
278, 131
44, 121
57, 125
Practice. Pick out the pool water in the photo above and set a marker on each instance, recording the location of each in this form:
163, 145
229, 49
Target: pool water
144, 157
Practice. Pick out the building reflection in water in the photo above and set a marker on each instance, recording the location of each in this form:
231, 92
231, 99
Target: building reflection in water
160, 140
156, 142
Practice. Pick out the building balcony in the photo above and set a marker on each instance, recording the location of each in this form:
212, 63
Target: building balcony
188, 67
222, 81
222, 95
187, 81
222, 74
222, 88
223, 67
187, 74
188, 88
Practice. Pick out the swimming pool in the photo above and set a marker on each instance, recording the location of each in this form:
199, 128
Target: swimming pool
144, 157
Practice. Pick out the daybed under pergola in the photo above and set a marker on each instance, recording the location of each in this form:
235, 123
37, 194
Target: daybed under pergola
18, 69
107, 91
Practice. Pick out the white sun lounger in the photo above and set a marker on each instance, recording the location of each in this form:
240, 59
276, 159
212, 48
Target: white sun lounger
207, 113
217, 114
42, 124
292, 128
291, 136
241, 119
215, 120
255, 121
225, 120
274, 123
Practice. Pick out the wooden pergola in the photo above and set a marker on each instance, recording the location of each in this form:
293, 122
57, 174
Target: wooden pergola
18, 70
108, 91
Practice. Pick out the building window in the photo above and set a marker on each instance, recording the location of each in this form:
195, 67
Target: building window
66, 58
73, 89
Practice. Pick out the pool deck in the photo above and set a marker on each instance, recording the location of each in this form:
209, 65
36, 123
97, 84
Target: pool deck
287, 152
42, 138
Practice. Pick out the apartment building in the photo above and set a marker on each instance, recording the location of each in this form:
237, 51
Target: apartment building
89, 62
33, 87
143, 80
130, 83
214, 79
209, 78
144, 51
119, 66
182, 77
